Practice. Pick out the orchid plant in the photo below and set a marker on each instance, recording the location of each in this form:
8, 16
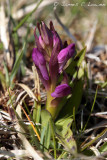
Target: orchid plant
50, 58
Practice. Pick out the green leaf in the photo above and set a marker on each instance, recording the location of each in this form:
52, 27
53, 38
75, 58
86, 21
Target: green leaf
13, 97
80, 56
16, 65
45, 117
75, 63
62, 123
104, 85
38, 112
63, 155
45, 130
60, 106
73, 101
1, 46
103, 148
80, 72
77, 86
47, 136
65, 135
2, 79
34, 111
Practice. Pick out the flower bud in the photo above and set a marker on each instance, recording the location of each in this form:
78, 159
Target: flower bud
61, 91
65, 54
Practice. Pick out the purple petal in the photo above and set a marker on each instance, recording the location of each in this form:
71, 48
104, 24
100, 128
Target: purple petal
61, 91
40, 62
34, 57
65, 54
40, 45
45, 82
46, 34
55, 39
55, 35
41, 42
37, 41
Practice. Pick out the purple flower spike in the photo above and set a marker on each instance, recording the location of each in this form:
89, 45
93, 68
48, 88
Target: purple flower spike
61, 91
65, 54
40, 62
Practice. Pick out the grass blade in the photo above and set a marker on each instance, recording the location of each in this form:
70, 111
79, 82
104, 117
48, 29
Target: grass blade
16, 65
92, 141
91, 110
26, 17
38, 113
6, 74
2, 79
53, 135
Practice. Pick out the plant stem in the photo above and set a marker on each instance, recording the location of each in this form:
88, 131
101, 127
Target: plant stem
52, 109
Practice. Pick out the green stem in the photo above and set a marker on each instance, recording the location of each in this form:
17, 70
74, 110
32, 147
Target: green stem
52, 109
